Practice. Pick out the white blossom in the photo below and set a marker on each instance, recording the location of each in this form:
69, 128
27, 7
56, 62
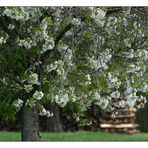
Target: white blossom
135, 25
33, 79
133, 68
127, 42
88, 79
128, 90
131, 54
48, 45
102, 102
113, 81
18, 103
102, 60
143, 88
27, 43
62, 100
28, 87
38, 95
45, 112
122, 103
4, 38
97, 96
98, 16
76, 21
125, 22
1, 40
11, 26
130, 102
57, 66
66, 52
115, 94
49, 114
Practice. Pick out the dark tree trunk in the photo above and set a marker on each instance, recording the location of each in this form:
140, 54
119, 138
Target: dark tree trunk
30, 124
53, 124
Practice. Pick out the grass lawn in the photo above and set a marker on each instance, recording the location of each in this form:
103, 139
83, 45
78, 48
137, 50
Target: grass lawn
78, 136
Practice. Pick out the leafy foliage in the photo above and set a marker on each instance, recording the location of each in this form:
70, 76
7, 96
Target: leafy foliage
73, 56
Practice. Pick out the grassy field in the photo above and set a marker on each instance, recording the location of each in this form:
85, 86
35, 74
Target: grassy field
78, 136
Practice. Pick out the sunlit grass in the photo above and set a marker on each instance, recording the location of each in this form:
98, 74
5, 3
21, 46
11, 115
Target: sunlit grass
77, 136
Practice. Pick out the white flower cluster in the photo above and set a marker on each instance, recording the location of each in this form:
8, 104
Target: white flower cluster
61, 99
72, 94
12, 14
131, 54
18, 104
127, 42
131, 100
22, 13
142, 99
133, 68
38, 95
137, 70
120, 104
130, 96
57, 11
33, 79
58, 66
76, 22
139, 67
44, 24
101, 62
45, 112
111, 21
83, 105
41, 34
27, 43
4, 38
98, 15
125, 22
68, 34
11, 26
88, 79
136, 25
143, 88
113, 82
115, 94
28, 87
66, 53
103, 102
97, 96
143, 55
48, 45
111, 26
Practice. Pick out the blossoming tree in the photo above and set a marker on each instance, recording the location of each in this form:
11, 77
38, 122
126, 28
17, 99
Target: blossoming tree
72, 57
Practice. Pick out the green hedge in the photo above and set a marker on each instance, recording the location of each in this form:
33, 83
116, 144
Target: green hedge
142, 119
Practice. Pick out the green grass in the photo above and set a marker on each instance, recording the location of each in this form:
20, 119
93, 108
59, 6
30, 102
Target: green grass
78, 136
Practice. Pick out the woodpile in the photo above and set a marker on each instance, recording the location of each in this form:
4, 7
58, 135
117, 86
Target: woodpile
92, 114
119, 121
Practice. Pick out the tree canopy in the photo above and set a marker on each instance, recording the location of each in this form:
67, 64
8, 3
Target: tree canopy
73, 57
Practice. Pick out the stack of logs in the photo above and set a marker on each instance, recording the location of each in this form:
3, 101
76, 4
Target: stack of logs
120, 121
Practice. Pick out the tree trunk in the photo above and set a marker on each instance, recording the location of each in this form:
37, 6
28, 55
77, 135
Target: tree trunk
30, 124
53, 124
